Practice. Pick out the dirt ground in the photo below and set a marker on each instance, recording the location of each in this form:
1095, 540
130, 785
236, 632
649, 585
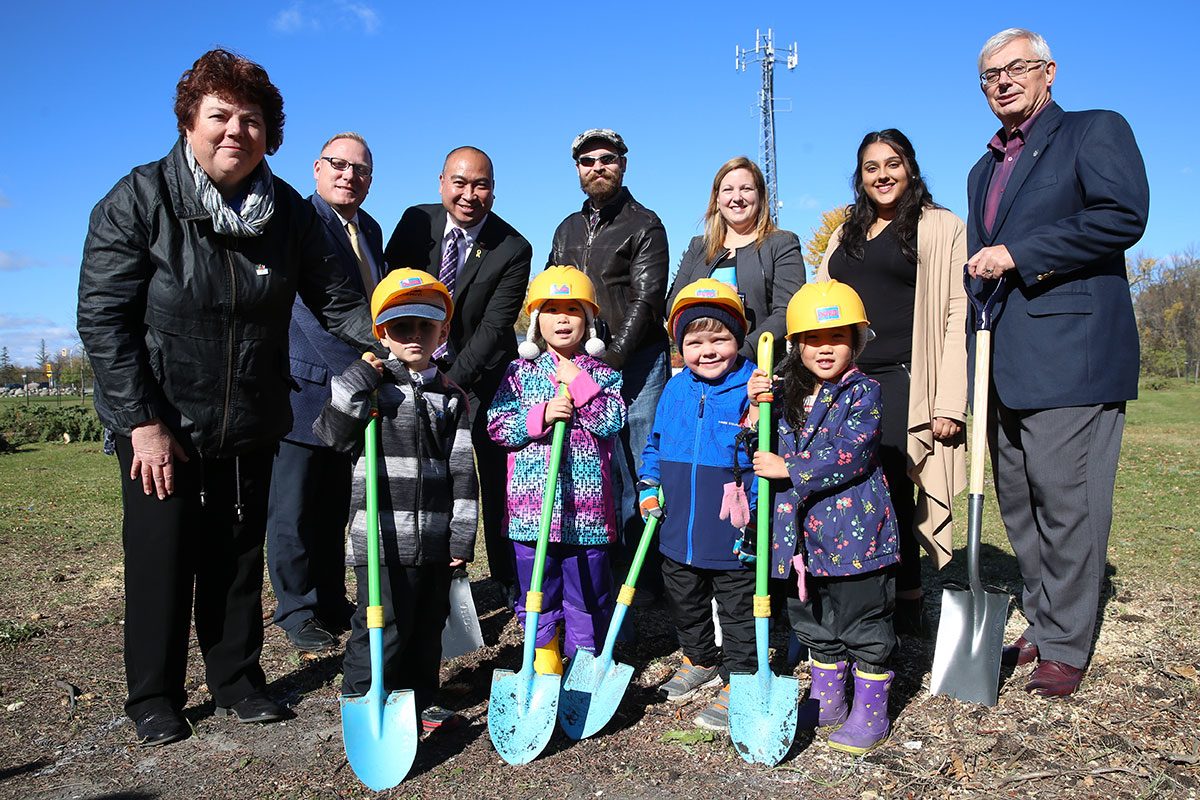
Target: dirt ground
1134, 731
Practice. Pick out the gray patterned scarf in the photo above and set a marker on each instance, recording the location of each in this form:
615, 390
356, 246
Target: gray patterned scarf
256, 209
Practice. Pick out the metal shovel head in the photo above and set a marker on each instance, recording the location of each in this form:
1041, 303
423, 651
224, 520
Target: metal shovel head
966, 660
521, 713
461, 634
591, 693
763, 708
380, 737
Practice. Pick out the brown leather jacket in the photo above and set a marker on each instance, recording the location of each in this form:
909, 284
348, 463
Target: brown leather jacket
626, 258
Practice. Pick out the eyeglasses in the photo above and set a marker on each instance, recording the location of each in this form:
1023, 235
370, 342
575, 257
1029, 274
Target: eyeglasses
1015, 69
590, 161
341, 165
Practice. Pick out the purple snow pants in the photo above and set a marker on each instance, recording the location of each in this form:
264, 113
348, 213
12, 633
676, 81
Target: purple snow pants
576, 590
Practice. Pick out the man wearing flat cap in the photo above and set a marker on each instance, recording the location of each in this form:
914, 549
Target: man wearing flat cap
622, 246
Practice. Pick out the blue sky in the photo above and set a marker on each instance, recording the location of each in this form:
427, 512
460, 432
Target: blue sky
87, 89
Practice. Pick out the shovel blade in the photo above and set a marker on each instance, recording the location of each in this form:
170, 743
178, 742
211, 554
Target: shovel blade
591, 693
521, 713
763, 708
380, 736
462, 634
966, 660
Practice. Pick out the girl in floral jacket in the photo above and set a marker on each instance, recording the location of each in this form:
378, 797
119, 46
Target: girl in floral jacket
832, 518
577, 583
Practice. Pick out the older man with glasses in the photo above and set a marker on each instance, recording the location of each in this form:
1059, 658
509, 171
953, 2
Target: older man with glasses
622, 246
310, 483
1055, 201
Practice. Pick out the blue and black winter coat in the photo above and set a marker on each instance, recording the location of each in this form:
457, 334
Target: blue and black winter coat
690, 452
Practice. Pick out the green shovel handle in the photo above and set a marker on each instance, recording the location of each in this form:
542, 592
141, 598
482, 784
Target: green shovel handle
543, 541
766, 355
370, 453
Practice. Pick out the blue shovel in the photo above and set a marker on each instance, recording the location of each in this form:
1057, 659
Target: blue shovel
594, 686
524, 704
380, 735
763, 707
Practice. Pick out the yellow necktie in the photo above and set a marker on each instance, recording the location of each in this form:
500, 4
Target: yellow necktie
364, 268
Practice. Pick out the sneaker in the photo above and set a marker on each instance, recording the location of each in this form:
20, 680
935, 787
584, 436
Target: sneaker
688, 680
437, 718
716, 716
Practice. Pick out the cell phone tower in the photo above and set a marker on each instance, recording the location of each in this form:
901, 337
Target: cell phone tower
764, 53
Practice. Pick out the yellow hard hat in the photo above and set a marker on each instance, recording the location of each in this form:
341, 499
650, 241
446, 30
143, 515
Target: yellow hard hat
706, 291
421, 293
561, 283
826, 304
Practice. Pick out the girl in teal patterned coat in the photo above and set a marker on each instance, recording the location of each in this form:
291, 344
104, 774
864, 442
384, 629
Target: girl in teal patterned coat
833, 522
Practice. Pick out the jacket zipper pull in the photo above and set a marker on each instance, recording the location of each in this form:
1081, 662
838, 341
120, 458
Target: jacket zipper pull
702, 398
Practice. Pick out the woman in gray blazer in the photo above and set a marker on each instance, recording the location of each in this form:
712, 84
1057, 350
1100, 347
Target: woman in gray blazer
743, 247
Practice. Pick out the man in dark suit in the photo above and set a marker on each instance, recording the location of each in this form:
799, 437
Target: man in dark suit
1054, 204
310, 484
485, 264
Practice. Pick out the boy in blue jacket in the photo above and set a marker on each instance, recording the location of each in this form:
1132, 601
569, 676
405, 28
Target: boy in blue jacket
690, 455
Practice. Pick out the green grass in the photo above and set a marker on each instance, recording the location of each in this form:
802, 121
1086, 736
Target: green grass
63, 400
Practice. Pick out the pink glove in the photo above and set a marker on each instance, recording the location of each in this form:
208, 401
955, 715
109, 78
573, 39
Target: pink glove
734, 506
801, 576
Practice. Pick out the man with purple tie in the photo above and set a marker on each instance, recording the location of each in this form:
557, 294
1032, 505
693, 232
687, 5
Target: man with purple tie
484, 263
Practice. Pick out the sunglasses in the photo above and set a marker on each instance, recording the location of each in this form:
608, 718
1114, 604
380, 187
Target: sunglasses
590, 161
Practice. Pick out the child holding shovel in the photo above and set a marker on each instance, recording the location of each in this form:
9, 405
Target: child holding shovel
427, 483
690, 453
833, 522
577, 582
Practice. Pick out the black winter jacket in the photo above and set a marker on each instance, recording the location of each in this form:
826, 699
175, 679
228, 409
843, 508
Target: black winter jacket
191, 326
626, 258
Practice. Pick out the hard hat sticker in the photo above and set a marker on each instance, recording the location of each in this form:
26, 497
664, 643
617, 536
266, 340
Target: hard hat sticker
827, 313
407, 282
706, 293
560, 288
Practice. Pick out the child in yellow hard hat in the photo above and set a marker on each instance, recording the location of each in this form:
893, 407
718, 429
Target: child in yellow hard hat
690, 456
561, 349
427, 510
833, 525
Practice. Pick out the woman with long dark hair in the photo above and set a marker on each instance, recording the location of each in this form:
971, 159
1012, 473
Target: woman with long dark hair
903, 254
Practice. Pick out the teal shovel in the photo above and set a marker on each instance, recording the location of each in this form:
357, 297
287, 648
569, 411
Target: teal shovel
380, 735
595, 685
523, 705
763, 707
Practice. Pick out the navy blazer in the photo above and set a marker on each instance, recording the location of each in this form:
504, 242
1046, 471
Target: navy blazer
315, 355
487, 296
1078, 198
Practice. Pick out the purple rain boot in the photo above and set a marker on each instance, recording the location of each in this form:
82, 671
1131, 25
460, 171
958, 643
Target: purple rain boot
868, 724
829, 689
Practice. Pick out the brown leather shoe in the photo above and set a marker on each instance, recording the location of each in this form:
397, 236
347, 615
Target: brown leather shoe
1054, 679
1019, 653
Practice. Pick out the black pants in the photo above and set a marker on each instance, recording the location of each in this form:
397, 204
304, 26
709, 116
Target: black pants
306, 530
416, 603
847, 617
492, 462
174, 545
894, 382
690, 591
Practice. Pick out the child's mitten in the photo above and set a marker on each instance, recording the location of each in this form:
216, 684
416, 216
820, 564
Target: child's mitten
745, 546
801, 576
734, 506
648, 502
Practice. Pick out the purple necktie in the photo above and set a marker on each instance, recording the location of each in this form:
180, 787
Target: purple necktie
448, 273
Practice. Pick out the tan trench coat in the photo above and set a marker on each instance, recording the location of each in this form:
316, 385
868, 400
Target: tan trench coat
939, 374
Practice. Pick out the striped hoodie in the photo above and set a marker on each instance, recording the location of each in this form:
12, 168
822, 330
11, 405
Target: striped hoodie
426, 463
